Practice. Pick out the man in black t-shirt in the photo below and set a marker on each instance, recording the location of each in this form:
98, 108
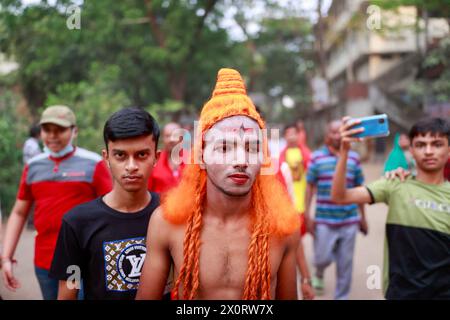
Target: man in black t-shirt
102, 242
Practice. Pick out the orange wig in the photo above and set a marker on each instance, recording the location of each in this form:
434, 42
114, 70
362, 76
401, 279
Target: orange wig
271, 213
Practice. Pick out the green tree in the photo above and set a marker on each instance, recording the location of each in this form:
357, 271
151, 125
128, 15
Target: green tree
279, 55
433, 82
435, 6
93, 101
164, 49
13, 131
38, 39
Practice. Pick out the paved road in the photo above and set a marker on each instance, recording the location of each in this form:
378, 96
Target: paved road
368, 252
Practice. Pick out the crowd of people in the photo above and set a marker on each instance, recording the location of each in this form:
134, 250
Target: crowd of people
139, 223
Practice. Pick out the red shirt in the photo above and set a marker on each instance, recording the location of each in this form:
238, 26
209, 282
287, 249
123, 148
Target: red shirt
56, 185
447, 170
163, 178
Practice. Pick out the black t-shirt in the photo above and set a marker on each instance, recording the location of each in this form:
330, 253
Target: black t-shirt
107, 245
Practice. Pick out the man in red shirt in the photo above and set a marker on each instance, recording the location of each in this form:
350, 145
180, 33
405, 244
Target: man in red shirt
447, 171
167, 172
55, 181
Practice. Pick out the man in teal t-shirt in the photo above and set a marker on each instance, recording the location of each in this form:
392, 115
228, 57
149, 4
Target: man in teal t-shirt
417, 246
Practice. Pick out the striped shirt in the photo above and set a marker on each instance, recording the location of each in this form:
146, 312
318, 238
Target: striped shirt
320, 173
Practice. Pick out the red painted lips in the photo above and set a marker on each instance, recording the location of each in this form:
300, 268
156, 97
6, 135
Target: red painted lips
239, 178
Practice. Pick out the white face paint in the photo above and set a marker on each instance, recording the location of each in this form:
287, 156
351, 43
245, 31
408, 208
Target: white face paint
232, 154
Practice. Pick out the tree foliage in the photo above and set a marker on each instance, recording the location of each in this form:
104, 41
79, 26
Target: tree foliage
13, 130
436, 6
436, 87
161, 55
163, 49
433, 82
93, 100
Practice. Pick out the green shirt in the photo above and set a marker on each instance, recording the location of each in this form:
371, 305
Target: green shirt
417, 243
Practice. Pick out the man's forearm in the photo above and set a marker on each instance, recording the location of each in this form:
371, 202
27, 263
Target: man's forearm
362, 210
12, 233
339, 187
301, 262
64, 293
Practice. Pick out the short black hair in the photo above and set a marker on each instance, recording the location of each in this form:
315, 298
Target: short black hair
35, 130
289, 126
435, 126
128, 123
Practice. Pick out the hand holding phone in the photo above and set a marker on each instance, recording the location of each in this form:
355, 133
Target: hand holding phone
374, 126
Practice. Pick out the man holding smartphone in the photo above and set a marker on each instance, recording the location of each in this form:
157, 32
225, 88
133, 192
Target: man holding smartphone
417, 245
335, 225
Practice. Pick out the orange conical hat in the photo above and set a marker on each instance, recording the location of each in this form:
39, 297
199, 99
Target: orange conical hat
229, 98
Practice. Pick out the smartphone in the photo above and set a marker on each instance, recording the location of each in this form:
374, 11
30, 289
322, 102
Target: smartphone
374, 126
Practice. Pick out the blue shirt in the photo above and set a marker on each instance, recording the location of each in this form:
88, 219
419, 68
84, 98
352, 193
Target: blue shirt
320, 173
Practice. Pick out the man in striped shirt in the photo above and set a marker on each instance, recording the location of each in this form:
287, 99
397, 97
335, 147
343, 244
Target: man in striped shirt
334, 226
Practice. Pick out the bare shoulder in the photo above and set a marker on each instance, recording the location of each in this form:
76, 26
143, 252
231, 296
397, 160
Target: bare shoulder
285, 244
158, 225
162, 229
291, 241
157, 217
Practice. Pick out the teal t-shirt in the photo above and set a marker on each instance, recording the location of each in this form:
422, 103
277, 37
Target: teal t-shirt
417, 244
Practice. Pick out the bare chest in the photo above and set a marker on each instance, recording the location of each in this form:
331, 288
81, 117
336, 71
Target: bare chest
224, 261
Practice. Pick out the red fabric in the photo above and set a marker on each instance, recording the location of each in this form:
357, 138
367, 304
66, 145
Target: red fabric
102, 181
306, 154
447, 170
303, 144
24, 192
52, 200
280, 177
302, 224
162, 178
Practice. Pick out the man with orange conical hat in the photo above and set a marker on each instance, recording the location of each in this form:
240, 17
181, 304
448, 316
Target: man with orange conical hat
227, 230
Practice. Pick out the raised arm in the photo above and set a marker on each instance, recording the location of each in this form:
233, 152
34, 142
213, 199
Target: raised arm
158, 260
339, 191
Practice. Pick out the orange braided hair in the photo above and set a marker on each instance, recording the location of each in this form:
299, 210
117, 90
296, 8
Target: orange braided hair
189, 273
271, 213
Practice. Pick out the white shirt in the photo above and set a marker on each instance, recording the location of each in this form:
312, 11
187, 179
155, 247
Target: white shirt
30, 149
